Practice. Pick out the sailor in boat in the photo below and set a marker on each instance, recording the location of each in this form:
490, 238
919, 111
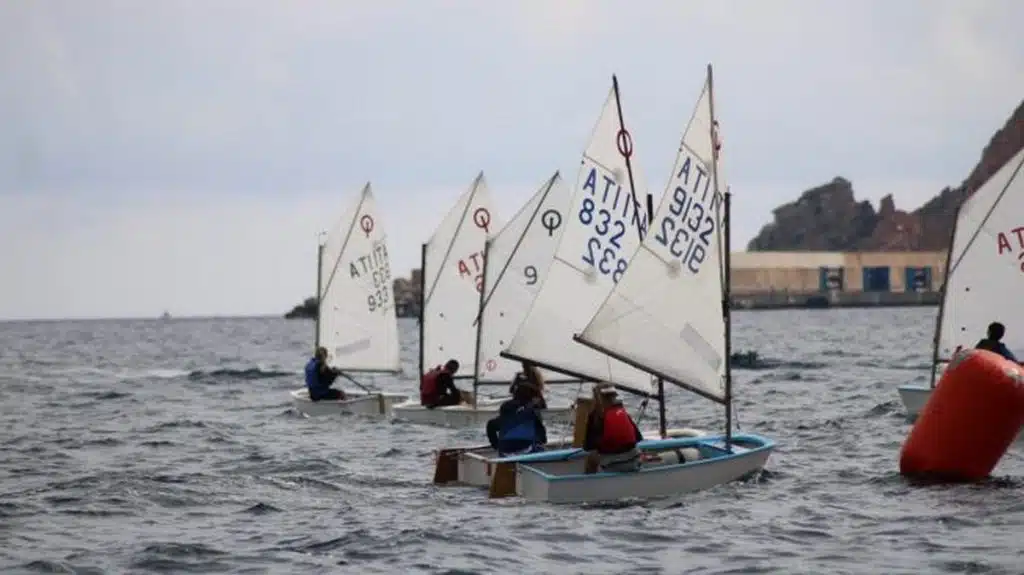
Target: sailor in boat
437, 386
612, 435
320, 377
994, 343
519, 427
532, 375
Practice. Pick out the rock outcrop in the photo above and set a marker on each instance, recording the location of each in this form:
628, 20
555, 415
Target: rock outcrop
829, 217
405, 290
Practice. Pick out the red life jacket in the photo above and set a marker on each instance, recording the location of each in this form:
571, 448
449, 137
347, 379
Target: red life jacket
617, 434
428, 387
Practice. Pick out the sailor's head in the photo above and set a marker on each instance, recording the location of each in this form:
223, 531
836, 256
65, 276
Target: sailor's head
321, 353
996, 331
452, 366
605, 395
523, 388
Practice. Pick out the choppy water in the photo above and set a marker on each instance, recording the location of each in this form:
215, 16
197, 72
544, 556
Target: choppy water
149, 446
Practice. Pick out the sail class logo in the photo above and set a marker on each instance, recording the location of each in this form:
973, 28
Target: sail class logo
1003, 241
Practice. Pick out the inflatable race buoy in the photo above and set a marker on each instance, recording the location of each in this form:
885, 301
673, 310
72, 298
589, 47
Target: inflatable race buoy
970, 420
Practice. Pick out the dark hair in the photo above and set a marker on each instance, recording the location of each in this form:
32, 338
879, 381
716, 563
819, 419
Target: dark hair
523, 392
996, 331
452, 366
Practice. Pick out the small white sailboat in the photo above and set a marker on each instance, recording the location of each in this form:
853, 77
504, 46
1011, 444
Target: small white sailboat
578, 278
667, 316
453, 279
356, 319
984, 275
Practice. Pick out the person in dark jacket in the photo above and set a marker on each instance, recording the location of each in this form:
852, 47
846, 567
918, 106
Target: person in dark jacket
320, 377
994, 343
519, 427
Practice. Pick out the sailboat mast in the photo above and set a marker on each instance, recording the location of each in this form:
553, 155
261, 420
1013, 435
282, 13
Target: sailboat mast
942, 298
480, 322
319, 295
423, 298
726, 257
624, 142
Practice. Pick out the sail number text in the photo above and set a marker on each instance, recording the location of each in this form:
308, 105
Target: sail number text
374, 267
471, 267
610, 214
689, 227
1005, 245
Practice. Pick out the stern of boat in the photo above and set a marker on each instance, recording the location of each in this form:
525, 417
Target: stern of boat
914, 398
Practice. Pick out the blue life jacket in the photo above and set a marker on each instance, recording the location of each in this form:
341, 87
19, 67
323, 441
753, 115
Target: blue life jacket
518, 425
313, 377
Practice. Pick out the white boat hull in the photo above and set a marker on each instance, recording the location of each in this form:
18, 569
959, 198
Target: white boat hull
465, 415
356, 402
476, 464
914, 397
558, 477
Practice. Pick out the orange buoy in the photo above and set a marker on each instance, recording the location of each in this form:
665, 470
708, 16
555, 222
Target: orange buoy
970, 420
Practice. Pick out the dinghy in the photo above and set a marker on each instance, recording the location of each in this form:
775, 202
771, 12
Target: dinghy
517, 259
452, 275
984, 275
665, 315
572, 289
355, 319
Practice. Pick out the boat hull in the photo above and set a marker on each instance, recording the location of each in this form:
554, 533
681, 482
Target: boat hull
557, 477
476, 464
466, 415
356, 402
914, 397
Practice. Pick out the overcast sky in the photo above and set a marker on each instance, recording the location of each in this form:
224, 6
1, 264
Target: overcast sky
182, 155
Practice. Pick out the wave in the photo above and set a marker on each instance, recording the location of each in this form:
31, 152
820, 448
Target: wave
238, 374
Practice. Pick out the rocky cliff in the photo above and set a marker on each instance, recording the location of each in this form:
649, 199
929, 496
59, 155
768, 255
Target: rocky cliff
406, 293
829, 217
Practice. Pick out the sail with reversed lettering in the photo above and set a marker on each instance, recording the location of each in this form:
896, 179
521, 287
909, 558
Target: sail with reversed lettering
665, 313
453, 270
600, 233
357, 323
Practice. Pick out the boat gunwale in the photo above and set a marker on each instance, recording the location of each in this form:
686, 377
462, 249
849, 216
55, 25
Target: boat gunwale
765, 445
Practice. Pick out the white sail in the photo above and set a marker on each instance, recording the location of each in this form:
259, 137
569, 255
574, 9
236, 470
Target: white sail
453, 279
665, 314
985, 274
357, 322
517, 259
598, 237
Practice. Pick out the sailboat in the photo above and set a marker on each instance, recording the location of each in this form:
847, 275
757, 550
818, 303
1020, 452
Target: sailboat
667, 315
984, 274
355, 319
539, 244
453, 265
